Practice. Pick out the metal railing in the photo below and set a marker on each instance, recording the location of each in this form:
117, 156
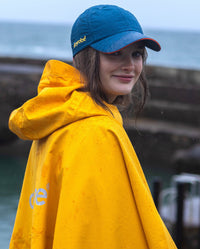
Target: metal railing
179, 206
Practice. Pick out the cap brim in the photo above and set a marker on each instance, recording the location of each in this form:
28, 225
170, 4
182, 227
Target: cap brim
116, 42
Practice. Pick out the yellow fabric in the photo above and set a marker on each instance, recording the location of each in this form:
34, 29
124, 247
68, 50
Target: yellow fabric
83, 187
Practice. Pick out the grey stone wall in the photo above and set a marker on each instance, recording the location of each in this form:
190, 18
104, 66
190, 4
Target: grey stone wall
169, 122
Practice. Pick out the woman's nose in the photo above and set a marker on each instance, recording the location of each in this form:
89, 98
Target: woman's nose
128, 63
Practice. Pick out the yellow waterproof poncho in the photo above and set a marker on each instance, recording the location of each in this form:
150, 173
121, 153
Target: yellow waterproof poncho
83, 187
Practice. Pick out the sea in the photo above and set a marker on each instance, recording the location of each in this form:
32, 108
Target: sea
180, 49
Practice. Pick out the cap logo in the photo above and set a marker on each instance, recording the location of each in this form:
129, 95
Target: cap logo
81, 40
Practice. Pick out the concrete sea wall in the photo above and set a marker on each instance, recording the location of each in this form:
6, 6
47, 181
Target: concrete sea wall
169, 122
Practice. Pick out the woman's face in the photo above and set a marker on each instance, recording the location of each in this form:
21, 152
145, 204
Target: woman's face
120, 71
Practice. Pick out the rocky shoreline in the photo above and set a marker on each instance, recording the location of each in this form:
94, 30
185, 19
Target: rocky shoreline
170, 121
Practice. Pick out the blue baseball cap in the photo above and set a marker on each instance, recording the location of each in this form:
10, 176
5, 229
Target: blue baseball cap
108, 28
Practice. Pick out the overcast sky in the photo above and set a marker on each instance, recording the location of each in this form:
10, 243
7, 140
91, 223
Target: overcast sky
162, 14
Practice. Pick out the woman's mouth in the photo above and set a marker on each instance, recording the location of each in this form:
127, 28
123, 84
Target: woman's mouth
124, 78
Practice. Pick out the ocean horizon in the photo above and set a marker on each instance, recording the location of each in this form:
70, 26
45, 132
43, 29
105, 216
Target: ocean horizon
180, 49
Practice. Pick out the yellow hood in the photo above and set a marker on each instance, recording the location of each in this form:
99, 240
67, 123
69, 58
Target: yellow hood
57, 104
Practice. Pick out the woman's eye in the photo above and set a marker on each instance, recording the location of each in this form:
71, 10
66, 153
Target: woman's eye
116, 53
137, 54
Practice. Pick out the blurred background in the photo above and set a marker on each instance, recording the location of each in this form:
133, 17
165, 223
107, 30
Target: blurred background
166, 137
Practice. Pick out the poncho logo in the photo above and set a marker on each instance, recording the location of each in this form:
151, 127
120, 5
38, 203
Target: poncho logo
38, 197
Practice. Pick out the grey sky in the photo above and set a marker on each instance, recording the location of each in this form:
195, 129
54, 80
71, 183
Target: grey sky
166, 14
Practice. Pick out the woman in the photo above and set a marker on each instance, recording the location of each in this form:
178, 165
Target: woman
83, 186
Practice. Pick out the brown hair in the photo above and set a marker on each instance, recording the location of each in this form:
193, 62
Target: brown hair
87, 62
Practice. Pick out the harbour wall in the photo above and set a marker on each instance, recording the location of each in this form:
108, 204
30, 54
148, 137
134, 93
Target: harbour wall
170, 121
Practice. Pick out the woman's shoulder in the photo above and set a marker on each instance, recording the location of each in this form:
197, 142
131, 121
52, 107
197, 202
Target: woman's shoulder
101, 123
95, 126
